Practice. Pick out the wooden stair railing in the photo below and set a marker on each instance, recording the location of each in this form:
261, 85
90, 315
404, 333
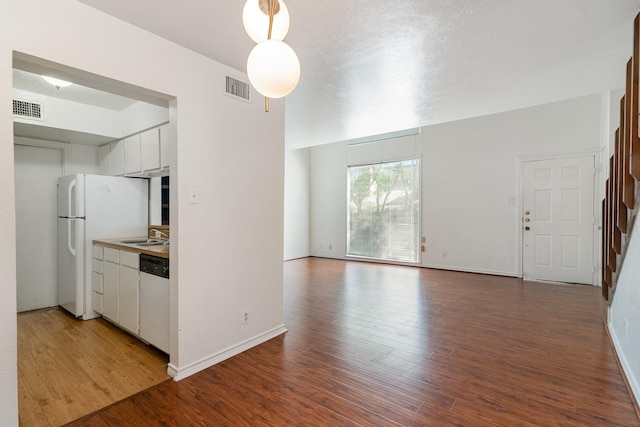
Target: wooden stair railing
619, 205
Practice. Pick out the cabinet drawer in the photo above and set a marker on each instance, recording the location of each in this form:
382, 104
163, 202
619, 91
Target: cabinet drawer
96, 266
97, 282
130, 259
97, 252
112, 255
96, 300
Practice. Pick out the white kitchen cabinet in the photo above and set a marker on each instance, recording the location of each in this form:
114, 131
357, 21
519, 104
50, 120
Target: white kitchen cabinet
96, 301
150, 149
97, 278
165, 144
111, 279
104, 159
128, 298
132, 155
116, 158
119, 287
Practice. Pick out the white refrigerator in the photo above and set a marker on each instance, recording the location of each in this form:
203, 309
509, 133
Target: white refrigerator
93, 207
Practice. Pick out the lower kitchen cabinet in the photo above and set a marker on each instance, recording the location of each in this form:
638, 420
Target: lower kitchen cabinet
111, 280
120, 288
120, 297
128, 296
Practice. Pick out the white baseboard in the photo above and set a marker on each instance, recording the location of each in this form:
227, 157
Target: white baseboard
179, 373
471, 270
628, 372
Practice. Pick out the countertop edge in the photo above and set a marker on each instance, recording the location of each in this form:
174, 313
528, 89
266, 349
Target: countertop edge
161, 251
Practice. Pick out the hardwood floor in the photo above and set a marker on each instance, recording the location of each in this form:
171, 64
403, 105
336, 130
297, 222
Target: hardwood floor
68, 368
381, 345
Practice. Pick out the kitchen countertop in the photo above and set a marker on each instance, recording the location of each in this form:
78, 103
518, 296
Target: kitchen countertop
161, 251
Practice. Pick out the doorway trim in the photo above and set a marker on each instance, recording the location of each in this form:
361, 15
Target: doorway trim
597, 162
64, 147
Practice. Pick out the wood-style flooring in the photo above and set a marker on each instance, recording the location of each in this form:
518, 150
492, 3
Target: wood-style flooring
69, 368
381, 345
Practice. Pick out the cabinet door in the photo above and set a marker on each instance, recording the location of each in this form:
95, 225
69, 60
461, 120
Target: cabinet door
128, 299
165, 143
116, 158
98, 252
96, 299
132, 154
97, 282
104, 157
110, 278
150, 149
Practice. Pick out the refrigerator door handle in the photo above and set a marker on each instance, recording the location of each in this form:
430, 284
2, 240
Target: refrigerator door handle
74, 224
71, 189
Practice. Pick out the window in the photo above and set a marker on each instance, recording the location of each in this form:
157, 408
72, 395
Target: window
384, 211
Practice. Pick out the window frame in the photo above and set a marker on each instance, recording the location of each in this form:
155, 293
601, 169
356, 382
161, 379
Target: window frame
420, 243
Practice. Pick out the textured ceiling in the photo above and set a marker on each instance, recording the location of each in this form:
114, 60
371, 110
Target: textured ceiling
376, 66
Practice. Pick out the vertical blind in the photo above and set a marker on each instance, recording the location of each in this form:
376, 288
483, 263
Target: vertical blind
384, 211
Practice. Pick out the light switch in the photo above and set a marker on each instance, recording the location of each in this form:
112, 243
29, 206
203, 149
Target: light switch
194, 197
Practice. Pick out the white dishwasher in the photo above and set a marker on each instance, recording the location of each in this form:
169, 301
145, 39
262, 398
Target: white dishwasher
154, 301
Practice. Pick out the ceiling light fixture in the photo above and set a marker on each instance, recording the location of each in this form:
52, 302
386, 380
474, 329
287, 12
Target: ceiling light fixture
272, 66
56, 82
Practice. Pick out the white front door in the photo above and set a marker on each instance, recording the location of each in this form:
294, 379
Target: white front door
558, 218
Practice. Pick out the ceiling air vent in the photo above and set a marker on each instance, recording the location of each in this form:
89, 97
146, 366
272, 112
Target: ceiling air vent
26, 109
237, 88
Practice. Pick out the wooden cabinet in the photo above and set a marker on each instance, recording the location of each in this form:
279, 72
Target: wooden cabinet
132, 155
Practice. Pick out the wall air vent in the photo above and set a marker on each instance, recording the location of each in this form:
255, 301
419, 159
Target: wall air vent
27, 110
237, 88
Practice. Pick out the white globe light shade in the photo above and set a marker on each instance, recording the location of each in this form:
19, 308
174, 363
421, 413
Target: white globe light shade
273, 68
256, 22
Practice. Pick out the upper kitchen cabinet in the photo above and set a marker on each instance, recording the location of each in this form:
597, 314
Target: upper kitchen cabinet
132, 155
104, 159
150, 149
165, 143
116, 158
144, 154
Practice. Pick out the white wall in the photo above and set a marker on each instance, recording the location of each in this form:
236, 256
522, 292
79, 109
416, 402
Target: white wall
79, 117
82, 159
470, 170
142, 116
226, 251
624, 315
62, 114
296, 204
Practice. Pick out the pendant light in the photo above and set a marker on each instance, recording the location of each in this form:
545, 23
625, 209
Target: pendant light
272, 66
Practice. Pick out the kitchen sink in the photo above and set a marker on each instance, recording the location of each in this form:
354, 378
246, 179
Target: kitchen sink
145, 242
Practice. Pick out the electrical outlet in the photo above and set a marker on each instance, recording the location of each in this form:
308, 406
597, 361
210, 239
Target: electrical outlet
245, 317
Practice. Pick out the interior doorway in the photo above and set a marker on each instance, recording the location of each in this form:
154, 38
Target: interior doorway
36, 175
558, 219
